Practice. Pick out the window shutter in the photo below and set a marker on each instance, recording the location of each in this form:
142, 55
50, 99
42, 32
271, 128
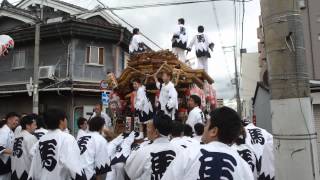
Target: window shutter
101, 55
88, 55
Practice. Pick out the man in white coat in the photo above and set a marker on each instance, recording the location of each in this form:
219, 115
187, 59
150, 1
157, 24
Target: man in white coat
180, 40
6, 144
142, 106
215, 159
136, 44
168, 95
151, 161
261, 142
23, 143
202, 45
195, 115
57, 155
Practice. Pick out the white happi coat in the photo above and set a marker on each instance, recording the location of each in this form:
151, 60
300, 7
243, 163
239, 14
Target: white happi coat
201, 43
168, 98
136, 44
22, 156
119, 158
248, 155
184, 141
211, 161
94, 154
40, 132
143, 105
195, 116
180, 37
261, 142
6, 142
151, 161
81, 133
57, 156
17, 131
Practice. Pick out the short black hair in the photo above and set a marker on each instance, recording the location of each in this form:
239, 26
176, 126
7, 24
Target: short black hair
228, 123
196, 99
187, 130
199, 128
81, 121
27, 120
96, 124
12, 114
52, 118
135, 31
177, 128
200, 29
163, 123
181, 21
40, 122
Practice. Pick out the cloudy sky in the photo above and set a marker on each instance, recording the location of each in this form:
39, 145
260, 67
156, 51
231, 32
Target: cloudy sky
158, 23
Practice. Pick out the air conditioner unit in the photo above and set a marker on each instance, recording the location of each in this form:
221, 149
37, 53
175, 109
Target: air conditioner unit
46, 72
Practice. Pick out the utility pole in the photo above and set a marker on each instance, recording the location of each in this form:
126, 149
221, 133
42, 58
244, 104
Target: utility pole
295, 146
239, 110
35, 97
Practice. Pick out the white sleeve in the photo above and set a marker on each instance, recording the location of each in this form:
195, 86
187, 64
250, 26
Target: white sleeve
134, 166
3, 141
102, 160
30, 145
246, 172
158, 84
70, 158
173, 98
192, 42
139, 99
126, 145
35, 167
267, 161
113, 145
177, 30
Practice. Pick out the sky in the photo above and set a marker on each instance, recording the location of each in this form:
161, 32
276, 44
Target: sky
158, 24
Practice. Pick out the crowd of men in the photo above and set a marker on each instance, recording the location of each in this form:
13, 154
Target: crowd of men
180, 46
213, 147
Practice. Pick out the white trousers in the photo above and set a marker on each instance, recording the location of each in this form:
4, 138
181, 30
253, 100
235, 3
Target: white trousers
180, 53
203, 63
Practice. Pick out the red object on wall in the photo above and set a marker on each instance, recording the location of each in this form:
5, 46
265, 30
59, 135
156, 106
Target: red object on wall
254, 119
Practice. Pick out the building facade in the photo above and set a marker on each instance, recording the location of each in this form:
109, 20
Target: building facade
78, 48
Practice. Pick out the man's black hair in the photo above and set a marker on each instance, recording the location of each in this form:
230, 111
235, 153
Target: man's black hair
135, 31
53, 117
12, 114
163, 123
81, 121
242, 138
40, 122
181, 21
196, 99
177, 129
27, 120
228, 123
187, 130
96, 124
199, 128
200, 29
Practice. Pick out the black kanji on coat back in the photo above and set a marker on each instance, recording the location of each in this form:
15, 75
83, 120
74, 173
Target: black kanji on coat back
256, 136
160, 161
249, 157
82, 143
216, 166
38, 135
17, 147
47, 154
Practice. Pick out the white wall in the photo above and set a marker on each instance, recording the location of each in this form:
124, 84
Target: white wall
248, 80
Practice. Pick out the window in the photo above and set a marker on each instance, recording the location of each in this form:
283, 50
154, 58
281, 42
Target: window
95, 55
19, 60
